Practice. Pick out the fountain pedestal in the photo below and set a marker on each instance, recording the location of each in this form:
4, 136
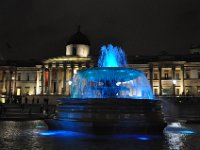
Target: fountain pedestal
109, 115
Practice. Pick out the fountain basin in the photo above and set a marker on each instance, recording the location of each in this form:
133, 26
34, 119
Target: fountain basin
111, 82
118, 115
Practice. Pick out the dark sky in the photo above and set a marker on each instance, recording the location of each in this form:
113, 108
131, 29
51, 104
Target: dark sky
41, 28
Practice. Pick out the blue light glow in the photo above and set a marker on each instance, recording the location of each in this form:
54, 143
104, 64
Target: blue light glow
40, 127
143, 138
179, 130
61, 133
47, 133
112, 57
185, 132
137, 137
104, 82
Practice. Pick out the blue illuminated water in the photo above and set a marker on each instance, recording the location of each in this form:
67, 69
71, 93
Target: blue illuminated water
112, 57
112, 82
111, 79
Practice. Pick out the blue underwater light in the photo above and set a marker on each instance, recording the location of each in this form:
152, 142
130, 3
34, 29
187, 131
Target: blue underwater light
185, 132
40, 127
141, 137
61, 133
177, 128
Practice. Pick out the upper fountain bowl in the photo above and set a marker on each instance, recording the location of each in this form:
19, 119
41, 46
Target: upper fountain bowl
111, 82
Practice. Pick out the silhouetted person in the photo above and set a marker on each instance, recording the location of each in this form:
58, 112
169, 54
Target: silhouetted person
38, 101
26, 100
33, 100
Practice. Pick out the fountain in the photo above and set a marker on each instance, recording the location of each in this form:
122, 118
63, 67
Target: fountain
111, 97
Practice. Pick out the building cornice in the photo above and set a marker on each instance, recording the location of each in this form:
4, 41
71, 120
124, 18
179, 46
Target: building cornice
63, 59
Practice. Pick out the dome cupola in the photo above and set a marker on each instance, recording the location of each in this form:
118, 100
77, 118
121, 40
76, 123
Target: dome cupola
78, 45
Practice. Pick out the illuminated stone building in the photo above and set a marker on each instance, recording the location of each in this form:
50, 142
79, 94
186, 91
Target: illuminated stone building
17, 78
49, 77
171, 75
55, 74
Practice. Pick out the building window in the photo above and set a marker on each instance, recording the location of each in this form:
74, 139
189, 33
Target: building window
155, 91
18, 91
198, 91
34, 90
166, 91
177, 92
155, 76
27, 90
198, 75
187, 91
177, 76
166, 76
187, 75
19, 76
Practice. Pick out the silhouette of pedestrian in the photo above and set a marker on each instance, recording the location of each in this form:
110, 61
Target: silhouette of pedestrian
26, 100
33, 100
38, 101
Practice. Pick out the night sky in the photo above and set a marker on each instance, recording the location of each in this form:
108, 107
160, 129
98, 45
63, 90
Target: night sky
38, 29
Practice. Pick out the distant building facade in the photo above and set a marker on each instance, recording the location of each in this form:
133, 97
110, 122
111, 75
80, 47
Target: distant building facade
171, 75
168, 75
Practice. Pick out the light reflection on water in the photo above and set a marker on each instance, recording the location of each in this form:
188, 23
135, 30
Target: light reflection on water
35, 135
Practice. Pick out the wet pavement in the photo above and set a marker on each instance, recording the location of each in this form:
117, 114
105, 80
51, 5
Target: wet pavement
26, 135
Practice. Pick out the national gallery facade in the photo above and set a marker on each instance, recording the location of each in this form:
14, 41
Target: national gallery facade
169, 75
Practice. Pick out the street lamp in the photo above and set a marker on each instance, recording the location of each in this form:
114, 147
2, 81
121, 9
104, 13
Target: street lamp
174, 82
69, 82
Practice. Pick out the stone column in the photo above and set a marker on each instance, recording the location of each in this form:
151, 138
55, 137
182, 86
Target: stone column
151, 75
173, 78
182, 79
160, 80
49, 80
69, 70
57, 78
10, 83
64, 79
13, 83
4, 82
43, 80
72, 71
38, 81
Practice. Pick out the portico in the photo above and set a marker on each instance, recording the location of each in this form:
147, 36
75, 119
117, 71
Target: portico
55, 74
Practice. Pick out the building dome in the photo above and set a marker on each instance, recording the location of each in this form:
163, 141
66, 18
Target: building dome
78, 45
78, 38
